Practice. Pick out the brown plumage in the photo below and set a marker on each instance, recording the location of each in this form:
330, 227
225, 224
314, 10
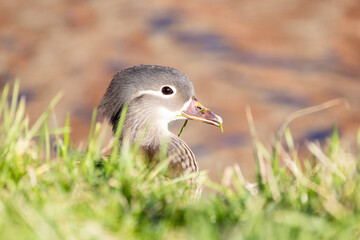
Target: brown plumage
155, 96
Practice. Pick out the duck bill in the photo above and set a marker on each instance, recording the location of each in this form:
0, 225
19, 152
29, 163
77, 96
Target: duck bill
196, 111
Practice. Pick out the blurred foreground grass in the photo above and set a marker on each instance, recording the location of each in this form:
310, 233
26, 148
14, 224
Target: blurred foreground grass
52, 190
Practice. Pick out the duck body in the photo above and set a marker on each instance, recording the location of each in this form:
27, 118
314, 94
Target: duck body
155, 96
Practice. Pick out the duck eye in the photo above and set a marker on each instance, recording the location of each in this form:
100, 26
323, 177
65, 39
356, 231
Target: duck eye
167, 90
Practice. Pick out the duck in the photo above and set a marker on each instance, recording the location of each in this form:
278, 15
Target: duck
154, 96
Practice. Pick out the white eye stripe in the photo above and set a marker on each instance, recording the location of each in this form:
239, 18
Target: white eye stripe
158, 93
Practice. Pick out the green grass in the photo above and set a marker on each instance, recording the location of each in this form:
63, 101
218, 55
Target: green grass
50, 189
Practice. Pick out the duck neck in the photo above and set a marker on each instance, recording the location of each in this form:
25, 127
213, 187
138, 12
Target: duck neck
151, 134
142, 127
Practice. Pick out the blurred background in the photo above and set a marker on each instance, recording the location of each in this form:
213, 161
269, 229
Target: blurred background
276, 56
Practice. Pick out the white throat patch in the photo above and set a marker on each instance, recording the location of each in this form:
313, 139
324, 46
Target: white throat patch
168, 116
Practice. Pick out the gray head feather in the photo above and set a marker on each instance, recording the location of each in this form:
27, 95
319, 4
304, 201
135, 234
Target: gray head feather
126, 85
